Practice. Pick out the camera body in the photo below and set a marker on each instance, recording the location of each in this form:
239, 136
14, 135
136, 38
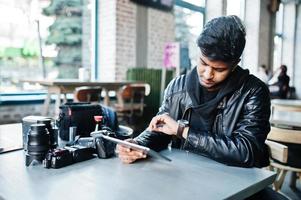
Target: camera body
61, 157
103, 148
57, 158
80, 150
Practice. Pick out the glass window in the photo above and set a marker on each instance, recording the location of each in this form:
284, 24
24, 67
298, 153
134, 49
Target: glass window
279, 20
277, 54
53, 27
236, 7
196, 2
188, 25
19, 44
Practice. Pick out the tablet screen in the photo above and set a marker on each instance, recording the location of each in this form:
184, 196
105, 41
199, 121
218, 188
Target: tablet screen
144, 149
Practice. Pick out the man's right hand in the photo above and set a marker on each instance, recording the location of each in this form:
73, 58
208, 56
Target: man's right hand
128, 155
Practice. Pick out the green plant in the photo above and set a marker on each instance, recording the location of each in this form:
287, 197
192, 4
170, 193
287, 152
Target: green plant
66, 34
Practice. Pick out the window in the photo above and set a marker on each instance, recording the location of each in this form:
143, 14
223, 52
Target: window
200, 3
53, 27
278, 38
236, 7
19, 44
189, 22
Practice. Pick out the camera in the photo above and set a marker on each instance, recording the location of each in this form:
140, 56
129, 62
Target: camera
57, 158
40, 143
80, 150
103, 148
61, 157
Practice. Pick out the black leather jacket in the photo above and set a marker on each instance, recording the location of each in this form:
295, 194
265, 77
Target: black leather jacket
239, 130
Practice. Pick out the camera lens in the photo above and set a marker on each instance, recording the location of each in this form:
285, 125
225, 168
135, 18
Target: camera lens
37, 143
51, 131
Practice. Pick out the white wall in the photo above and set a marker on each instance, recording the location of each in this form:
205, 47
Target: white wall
215, 8
288, 47
297, 63
107, 40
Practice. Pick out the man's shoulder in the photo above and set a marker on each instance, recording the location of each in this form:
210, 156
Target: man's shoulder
178, 84
254, 83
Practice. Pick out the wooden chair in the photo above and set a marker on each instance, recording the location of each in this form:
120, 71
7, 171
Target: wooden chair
87, 94
285, 106
280, 153
130, 100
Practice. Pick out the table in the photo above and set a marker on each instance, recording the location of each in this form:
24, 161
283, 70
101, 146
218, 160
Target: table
285, 105
10, 137
188, 176
294, 125
65, 86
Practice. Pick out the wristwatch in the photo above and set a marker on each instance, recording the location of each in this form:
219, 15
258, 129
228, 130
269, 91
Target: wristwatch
182, 123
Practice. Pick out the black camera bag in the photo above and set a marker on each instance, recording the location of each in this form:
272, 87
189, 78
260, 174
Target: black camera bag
81, 115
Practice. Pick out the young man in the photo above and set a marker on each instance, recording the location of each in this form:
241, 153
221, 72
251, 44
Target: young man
218, 109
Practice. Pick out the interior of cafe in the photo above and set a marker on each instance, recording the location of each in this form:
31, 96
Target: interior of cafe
85, 83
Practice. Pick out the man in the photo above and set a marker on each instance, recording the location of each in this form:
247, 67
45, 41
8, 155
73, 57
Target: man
283, 82
226, 108
280, 88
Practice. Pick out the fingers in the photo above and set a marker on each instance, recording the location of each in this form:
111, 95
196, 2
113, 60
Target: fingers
159, 120
160, 128
163, 123
128, 155
153, 123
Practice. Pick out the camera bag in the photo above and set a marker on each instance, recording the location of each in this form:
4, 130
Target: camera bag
81, 116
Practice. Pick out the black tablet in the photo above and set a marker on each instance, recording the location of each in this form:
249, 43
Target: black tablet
130, 145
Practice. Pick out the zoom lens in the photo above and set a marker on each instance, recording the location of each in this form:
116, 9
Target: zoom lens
37, 143
52, 133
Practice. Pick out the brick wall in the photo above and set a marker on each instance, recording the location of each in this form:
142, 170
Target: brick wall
161, 30
125, 38
15, 113
118, 37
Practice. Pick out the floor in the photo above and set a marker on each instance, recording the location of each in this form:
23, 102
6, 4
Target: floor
294, 194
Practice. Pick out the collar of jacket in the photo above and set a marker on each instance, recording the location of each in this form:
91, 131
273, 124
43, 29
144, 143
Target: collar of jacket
232, 83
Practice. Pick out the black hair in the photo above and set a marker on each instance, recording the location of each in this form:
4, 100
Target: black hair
223, 39
283, 68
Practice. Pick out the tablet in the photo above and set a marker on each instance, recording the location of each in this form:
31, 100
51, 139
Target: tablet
130, 145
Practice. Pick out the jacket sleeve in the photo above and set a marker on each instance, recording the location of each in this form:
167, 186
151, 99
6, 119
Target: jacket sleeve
245, 146
156, 140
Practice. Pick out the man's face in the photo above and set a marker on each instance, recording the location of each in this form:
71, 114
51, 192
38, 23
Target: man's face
213, 73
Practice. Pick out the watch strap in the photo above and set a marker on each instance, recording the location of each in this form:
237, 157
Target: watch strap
180, 130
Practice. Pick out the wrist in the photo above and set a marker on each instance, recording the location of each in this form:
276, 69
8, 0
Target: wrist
182, 124
185, 132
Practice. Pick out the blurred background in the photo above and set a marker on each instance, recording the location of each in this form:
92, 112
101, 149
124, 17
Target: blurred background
118, 40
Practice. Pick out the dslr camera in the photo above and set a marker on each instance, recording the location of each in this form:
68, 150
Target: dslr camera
61, 157
102, 147
81, 149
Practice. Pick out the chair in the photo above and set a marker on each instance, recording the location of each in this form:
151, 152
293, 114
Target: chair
287, 106
130, 100
87, 94
279, 154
